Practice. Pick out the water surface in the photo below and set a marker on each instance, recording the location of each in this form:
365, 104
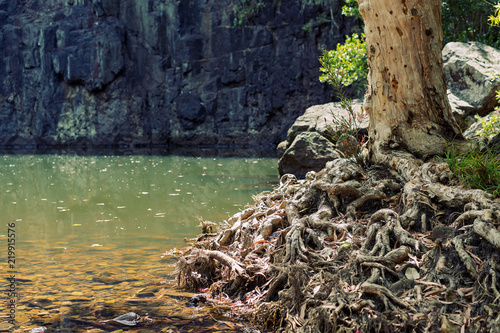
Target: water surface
89, 231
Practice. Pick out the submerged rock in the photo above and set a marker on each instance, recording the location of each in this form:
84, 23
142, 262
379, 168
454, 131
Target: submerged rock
128, 319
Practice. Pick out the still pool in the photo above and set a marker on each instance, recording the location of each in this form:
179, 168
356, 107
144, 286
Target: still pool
81, 237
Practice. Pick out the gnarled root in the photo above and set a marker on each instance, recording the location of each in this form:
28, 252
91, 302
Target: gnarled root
394, 249
484, 228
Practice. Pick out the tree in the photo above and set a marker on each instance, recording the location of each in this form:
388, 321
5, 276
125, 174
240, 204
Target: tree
406, 97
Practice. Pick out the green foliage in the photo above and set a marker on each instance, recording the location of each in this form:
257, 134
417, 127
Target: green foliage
466, 21
347, 64
476, 169
490, 126
246, 10
344, 132
350, 9
491, 123
495, 18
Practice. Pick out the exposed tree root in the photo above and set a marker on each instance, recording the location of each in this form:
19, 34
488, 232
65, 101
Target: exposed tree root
377, 250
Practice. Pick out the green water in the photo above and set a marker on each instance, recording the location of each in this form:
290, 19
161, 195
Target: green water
125, 200
76, 217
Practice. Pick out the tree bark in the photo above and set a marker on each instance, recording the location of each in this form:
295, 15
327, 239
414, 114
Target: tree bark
406, 98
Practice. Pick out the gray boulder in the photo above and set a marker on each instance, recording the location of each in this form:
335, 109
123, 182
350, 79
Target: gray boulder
309, 144
309, 151
470, 70
323, 118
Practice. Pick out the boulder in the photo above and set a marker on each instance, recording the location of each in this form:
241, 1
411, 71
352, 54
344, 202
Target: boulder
471, 71
309, 144
309, 151
324, 118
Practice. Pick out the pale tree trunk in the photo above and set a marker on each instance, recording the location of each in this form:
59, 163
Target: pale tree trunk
406, 98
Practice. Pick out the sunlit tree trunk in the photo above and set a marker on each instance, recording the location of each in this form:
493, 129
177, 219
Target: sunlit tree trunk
406, 98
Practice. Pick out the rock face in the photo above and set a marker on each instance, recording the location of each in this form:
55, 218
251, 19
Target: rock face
470, 75
140, 72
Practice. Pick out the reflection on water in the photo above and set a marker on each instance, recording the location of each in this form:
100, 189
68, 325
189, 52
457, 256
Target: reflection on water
79, 217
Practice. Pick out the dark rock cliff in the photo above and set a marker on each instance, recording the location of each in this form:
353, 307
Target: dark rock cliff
140, 72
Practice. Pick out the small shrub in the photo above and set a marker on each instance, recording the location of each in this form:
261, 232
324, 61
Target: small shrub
491, 123
345, 133
350, 9
490, 126
342, 67
347, 64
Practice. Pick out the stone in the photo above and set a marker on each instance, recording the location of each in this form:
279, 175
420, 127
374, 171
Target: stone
312, 133
281, 148
309, 151
6, 327
470, 70
464, 118
324, 117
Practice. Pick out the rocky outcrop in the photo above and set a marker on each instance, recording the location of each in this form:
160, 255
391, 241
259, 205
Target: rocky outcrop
471, 71
155, 72
470, 75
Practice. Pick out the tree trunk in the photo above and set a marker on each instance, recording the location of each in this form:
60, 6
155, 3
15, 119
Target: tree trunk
406, 98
